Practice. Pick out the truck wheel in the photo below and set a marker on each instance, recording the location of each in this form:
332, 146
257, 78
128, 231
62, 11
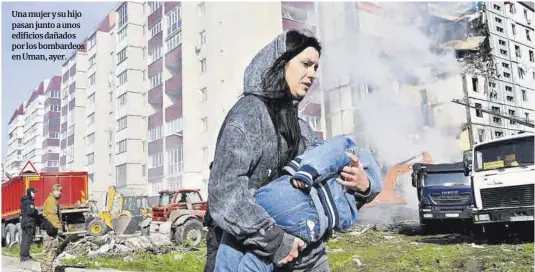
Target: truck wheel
190, 231
10, 234
18, 233
97, 227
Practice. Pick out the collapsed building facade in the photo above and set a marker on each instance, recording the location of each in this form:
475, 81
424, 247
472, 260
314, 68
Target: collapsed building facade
390, 71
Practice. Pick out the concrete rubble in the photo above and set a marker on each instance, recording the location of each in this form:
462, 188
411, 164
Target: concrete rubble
113, 245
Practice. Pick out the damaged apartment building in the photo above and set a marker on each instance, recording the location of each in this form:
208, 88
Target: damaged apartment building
495, 47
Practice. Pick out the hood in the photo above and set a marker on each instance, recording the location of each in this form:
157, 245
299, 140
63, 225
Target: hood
262, 61
29, 190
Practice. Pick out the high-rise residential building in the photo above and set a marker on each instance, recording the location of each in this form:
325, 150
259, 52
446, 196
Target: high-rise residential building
99, 109
51, 126
129, 94
164, 78
508, 90
32, 139
74, 119
14, 163
217, 46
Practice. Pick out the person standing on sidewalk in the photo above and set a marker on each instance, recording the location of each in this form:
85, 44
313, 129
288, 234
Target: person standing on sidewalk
51, 227
29, 219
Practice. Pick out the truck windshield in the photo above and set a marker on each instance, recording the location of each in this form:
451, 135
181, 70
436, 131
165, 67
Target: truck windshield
504, 154
165, 199
438, 179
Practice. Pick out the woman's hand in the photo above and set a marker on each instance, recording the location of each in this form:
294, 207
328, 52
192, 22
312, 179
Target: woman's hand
294, 252
355, 177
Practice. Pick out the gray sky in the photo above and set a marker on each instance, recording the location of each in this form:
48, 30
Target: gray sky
20, 78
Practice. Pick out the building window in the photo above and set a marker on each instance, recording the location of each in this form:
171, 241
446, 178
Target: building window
155, 53
203, 65
503, 52
497, 120
498, 20
173, 20
91, 99
495, 110
120, 174
154, 6
518, 52
90, 139
122, 13
513, 29
54, 94
499, 29
204, 154
122, 78
479, 112
121, 56
314, 122
155, 80
507, 75
55, 108
481, 135
92, 61
90, 158
512, 114
91, 119
92, 80
531, 58
122, 34
475, 87
505, 65
204, 124
521, 73
173, 41
121, 146
498, 134
509, 88
524, 95
155, 29
175, 161
204, 94
501, 42
510, 98
174, 126
201, 8
121, 100
528, 37
122, 123
496, 7
527, 116
53, 135
91, 42
156, 160
202, 37
155, 133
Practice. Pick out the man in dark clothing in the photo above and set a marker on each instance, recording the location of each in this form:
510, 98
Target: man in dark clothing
213, 239
29, 219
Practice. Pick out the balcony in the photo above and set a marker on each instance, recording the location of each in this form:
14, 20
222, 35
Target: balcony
155, 41
155, 120
173, 86
154, 173
154, 17
50, 142
169, 6
173, 60
72, 88
155, 67
173, 141
173, 112
155, 146
63, 143
155, 96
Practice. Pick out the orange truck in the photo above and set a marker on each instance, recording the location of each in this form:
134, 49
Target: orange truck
73, 202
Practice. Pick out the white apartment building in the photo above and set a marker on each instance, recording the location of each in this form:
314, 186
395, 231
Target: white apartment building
74, 119
510, 92
100, 109
129, 93
32, 139
14, 163
164, 96
217, 46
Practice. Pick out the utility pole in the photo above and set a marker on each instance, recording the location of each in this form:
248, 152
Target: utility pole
467, 108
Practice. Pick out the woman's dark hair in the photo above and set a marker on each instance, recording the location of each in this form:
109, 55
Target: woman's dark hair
283, 111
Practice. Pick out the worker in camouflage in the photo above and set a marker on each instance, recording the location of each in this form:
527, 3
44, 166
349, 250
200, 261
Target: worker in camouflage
50, 228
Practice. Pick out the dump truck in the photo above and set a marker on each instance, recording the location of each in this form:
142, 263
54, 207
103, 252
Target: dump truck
73, 202
502, 174
179, 214
444, 194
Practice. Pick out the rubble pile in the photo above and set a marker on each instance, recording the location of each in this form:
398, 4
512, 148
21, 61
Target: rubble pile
113, 245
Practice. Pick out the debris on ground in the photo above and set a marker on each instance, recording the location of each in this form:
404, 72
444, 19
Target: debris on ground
113, 245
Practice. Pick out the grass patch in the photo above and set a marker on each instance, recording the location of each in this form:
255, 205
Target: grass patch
35, 251
377, 251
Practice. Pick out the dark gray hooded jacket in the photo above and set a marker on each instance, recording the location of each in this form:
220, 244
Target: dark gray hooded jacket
245, 158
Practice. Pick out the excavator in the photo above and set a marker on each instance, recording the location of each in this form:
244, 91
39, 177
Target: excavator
388, 193
121, 213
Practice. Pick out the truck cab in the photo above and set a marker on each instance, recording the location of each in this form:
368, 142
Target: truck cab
444, 193
503, 181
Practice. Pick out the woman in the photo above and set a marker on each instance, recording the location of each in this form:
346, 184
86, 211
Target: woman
261, 134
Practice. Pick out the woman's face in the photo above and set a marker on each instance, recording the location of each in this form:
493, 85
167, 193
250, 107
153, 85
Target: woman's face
301, 71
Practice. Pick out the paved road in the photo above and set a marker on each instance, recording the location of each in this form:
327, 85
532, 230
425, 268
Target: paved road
10, 264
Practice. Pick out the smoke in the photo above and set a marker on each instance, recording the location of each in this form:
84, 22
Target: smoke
393, 64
